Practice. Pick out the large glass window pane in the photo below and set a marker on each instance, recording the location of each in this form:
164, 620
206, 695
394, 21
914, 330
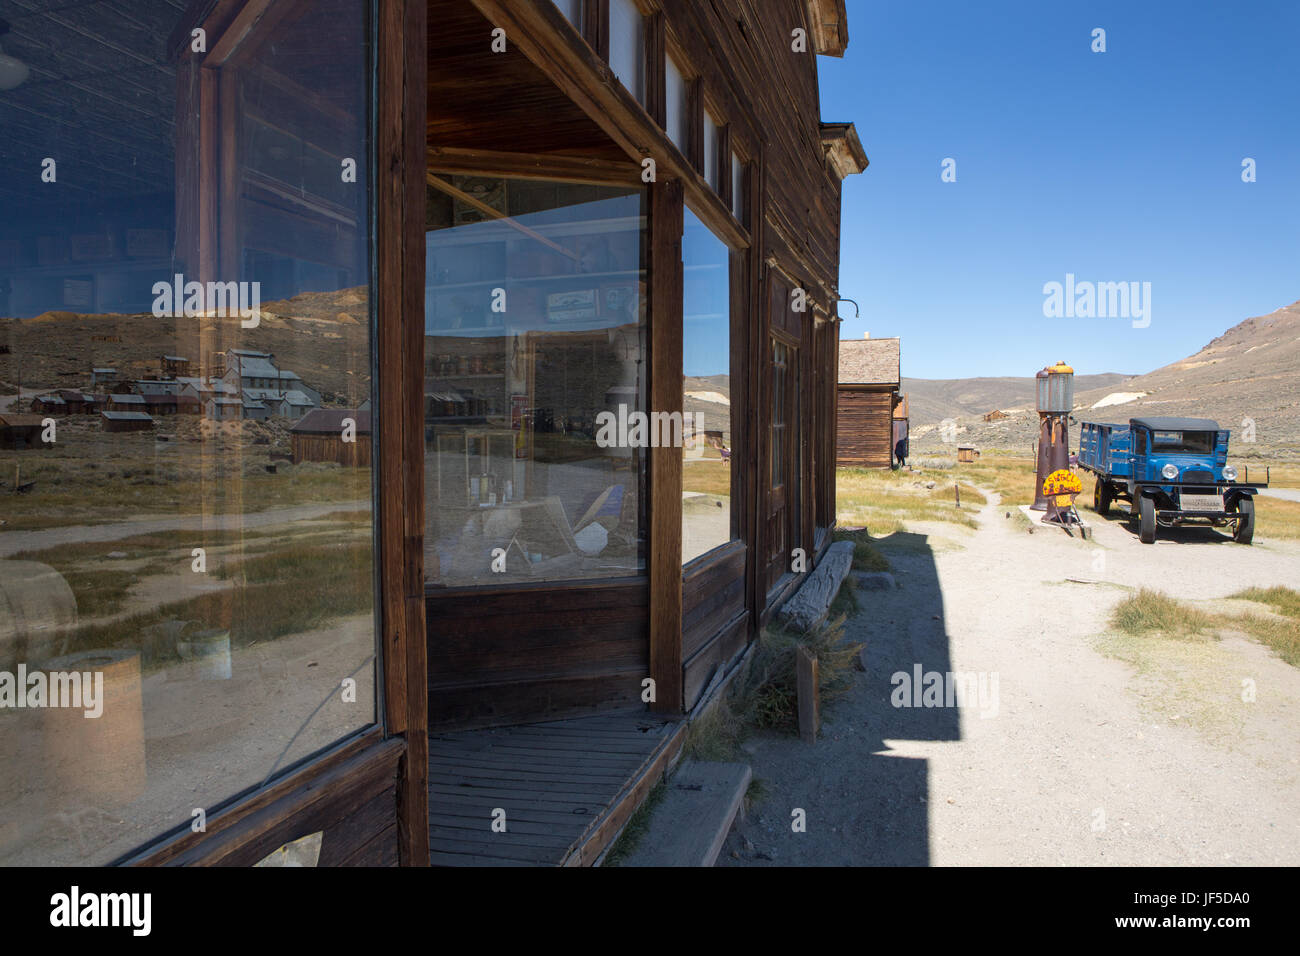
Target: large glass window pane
707, 518
678, 113
627, 46
535, 377
184, 393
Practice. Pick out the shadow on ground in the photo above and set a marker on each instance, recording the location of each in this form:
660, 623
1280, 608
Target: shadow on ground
863, 806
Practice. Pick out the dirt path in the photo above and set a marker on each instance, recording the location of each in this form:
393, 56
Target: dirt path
1095, 750
15, 542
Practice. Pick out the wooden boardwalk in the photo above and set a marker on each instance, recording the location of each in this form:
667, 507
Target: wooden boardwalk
566, 788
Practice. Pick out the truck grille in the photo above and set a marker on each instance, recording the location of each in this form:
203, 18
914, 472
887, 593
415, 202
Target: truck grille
1198, 474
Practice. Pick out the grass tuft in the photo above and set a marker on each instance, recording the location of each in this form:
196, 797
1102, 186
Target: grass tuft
1150, 611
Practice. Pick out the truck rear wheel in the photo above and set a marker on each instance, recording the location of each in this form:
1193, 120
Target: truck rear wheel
1244, 533
1101, 497
1147, 519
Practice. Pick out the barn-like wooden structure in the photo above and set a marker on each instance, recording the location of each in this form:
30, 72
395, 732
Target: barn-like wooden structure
871, 415
599, 256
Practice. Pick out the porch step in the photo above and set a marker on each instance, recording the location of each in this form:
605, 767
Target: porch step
691, 823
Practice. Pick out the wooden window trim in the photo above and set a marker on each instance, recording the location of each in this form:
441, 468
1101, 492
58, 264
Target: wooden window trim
656, 69
596, 26
401, 54
665, 464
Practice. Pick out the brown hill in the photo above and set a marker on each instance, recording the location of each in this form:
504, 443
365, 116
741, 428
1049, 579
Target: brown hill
931, 400
323, 336
1252, 371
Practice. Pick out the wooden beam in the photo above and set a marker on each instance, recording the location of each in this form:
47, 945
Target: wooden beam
439, 183
399, 297
450, 161
186, 842
665, 550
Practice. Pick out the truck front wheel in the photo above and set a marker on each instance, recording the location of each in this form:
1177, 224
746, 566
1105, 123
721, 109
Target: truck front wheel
1244, 533
1101, 497
1147, 519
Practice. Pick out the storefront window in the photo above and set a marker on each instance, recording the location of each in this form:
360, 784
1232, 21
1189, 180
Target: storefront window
707, 520
535, 376
186, 557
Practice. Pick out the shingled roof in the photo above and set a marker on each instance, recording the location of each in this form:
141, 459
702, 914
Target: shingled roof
869, 362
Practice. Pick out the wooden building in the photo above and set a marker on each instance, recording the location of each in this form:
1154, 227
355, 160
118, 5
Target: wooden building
868, 403
339, 435
590, 221
115, 421
20, 431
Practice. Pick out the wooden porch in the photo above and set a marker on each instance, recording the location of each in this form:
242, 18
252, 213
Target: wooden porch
567, 787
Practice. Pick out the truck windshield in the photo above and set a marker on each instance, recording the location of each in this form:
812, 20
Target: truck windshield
1195, 442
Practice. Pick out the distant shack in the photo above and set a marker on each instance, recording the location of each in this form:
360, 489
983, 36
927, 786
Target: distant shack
867, 401
126, 421
319, 436
19, 431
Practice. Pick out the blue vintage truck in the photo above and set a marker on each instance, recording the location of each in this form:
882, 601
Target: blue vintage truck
1171, 471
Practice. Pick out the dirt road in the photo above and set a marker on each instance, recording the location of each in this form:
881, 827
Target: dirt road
1094, 750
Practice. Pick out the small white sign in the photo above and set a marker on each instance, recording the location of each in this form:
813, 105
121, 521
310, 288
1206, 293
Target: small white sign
1201, 502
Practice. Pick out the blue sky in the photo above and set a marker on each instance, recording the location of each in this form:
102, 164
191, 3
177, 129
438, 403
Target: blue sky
1117, 167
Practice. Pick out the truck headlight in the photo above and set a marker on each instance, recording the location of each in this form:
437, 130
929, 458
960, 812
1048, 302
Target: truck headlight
1230, 473
1170, 471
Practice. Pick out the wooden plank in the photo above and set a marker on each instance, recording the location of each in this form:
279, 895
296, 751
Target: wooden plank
440, 858
806, 669
665, 465
437, 182
399, 306
541, 799
183, 841
605, 832
322, 802
692, 823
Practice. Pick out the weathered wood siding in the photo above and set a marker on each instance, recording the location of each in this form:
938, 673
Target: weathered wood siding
332, 448
864, 433
505, 656
715, 624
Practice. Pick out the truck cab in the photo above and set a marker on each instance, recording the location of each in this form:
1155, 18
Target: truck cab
1172, 471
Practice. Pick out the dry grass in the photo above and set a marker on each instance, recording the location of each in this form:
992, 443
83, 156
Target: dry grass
1277, 518
710, 476
767, 696
1011, 477
1150, 612
1280, 633
866, 556
884, 500
281, 594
